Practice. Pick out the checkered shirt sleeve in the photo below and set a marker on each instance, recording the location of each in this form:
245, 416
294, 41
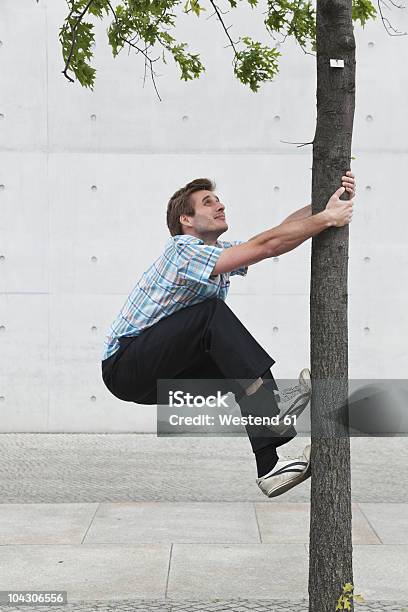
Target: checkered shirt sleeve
196, 261
242, 271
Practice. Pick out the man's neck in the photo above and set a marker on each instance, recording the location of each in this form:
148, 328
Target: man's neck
209, 239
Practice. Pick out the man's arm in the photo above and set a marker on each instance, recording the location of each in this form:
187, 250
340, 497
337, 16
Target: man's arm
348, 182
286, 236
302, 213
298, 215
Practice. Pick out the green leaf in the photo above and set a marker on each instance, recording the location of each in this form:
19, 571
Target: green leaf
194, 7
359, 598
77, 38
256, 64
98, 8
292, 18
363, 10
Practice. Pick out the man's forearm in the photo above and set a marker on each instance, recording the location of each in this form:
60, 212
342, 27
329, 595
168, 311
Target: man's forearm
302, 213
289, 234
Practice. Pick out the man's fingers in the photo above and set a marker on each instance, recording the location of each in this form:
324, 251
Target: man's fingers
346, 180
339, 191
349, 183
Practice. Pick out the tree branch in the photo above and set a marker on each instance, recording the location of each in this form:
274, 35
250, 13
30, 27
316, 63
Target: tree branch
73, 32
299, 144
389, 28
139, 50
220, 19
288, 26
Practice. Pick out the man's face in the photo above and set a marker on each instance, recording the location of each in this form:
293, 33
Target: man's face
209, 220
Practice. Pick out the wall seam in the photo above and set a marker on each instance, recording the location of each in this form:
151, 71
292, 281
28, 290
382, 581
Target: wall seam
47, 195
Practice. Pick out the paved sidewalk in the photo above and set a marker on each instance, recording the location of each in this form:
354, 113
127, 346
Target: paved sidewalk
97, 516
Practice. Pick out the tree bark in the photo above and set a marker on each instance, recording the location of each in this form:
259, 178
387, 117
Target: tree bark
330, 528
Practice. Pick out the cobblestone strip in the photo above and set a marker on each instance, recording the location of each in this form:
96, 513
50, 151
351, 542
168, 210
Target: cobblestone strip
242, 605
53, 468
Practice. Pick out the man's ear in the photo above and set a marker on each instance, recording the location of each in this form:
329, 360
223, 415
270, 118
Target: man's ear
185, 220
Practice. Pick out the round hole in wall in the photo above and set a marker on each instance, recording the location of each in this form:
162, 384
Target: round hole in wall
2, 187
276, 118
367, 259
276, 188
93, 188
184, 118
2, 328
368, 188
2, 257
94, 328
275, 329
276, 259
366, 330
93, 117
369, 118
93, 258
371, 44
2, 398
93, 398
1, 116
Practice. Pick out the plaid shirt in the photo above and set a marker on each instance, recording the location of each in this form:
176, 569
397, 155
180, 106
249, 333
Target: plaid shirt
178, 278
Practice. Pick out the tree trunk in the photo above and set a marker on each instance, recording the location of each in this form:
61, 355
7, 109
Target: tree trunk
330, 527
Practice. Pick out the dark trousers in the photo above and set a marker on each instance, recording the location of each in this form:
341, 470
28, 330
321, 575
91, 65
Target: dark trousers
204, 341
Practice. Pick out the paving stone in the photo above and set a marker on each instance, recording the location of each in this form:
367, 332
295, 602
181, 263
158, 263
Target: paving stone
87, 572
174, 522
281, 523
246, 571
390, 521
380, 572
45, 523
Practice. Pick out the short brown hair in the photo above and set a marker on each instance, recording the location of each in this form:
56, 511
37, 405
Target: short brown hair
180, 203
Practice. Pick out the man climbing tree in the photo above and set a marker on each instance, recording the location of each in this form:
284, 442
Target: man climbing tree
148, 28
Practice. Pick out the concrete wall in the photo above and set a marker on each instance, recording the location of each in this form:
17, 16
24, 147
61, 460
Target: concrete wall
85, 177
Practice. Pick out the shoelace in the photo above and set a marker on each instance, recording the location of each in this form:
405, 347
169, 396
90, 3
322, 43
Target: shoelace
289, 393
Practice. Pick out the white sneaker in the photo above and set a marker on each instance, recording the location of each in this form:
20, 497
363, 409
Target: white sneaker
292, 402
286, 474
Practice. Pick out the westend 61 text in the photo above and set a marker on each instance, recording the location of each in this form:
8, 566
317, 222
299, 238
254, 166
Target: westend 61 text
229, 420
